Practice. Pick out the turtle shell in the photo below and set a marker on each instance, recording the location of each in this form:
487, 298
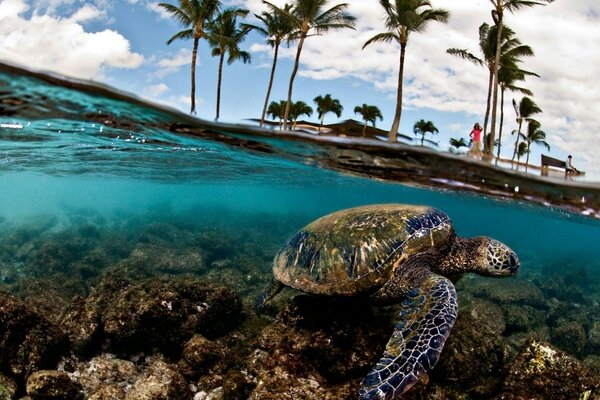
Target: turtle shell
356, 250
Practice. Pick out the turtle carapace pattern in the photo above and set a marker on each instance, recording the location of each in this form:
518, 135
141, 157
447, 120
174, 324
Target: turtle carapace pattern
391, 253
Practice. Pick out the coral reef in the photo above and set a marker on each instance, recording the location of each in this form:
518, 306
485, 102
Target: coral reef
160, 307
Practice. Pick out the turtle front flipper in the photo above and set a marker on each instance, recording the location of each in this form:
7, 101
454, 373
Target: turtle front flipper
428, 314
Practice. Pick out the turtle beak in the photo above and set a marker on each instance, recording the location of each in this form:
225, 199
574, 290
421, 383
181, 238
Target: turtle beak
513, 263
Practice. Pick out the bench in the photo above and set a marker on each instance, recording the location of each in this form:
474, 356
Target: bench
555, 162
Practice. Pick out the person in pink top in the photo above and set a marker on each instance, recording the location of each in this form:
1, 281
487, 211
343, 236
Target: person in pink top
476, 141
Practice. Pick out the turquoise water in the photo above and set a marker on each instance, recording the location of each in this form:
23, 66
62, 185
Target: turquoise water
88, 182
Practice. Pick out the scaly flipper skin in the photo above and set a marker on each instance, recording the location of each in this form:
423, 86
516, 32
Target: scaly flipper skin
415, 346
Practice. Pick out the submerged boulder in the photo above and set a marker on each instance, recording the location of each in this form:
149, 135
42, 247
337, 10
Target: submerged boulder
159, 381
29, 342
163, 313
543, 372
474, 354
53, 385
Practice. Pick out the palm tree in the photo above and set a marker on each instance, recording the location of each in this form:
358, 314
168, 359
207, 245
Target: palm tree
276, 28
277, 110
457, 144
499, 7
423, 127
297, 109
511, 52
306, 17
534, 135
369, 114
193, 15
521, 151
401, 18
326, 105
524, 111
225, 37
509, 74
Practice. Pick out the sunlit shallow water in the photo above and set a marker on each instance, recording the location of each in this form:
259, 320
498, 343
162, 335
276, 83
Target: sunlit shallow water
88, 182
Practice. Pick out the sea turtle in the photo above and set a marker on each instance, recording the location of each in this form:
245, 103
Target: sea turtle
391, 253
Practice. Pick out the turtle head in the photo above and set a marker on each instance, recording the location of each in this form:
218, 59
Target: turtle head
481, 255
495, 259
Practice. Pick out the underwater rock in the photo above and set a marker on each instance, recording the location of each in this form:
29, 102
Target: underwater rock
29, 342
159, 381
163, 313
569, 336
593, 364
542, 372
237, 385
81, 323
166, 260
318, 348
110, 392
474, 353
522, 318
593, 340
198, 355
53, 385
505, 291
8, 388
106, 371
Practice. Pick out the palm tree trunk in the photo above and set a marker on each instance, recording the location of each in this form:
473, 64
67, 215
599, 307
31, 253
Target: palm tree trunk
527, 160
193, 94
488, 104
321, 126
364, 132
516, 143
422, 140
396, 124
489, 143
221, 58
501, 124
264, 113
291, 86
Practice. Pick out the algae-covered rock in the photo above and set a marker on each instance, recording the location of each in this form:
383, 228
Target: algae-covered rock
318, 348
237, 385
569, 336
106, 371
474, 354
542, 372
53, 385
198, 355
508, 291
159, 381
163, 313
81, 323
593, 340
110, 392
522, 318
28, 341
8, 388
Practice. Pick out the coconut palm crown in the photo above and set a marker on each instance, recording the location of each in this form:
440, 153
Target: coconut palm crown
327, 104
225, 37
276, 28
524, 110
423, 127
498, 9
193, 15
402, 17
369, 114
311, 17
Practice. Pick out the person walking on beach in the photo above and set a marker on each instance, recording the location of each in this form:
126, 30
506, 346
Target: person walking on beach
476, 141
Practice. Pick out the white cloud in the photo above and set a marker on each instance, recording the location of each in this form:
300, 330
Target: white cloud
154, 7
564, 36
157, 90
61, 44
173, 63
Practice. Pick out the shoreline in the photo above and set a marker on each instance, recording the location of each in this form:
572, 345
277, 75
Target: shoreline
394, 162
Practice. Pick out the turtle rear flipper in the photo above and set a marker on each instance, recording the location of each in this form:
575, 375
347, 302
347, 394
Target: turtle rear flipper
415, 346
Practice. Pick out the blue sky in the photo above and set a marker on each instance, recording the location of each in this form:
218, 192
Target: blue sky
122, 43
